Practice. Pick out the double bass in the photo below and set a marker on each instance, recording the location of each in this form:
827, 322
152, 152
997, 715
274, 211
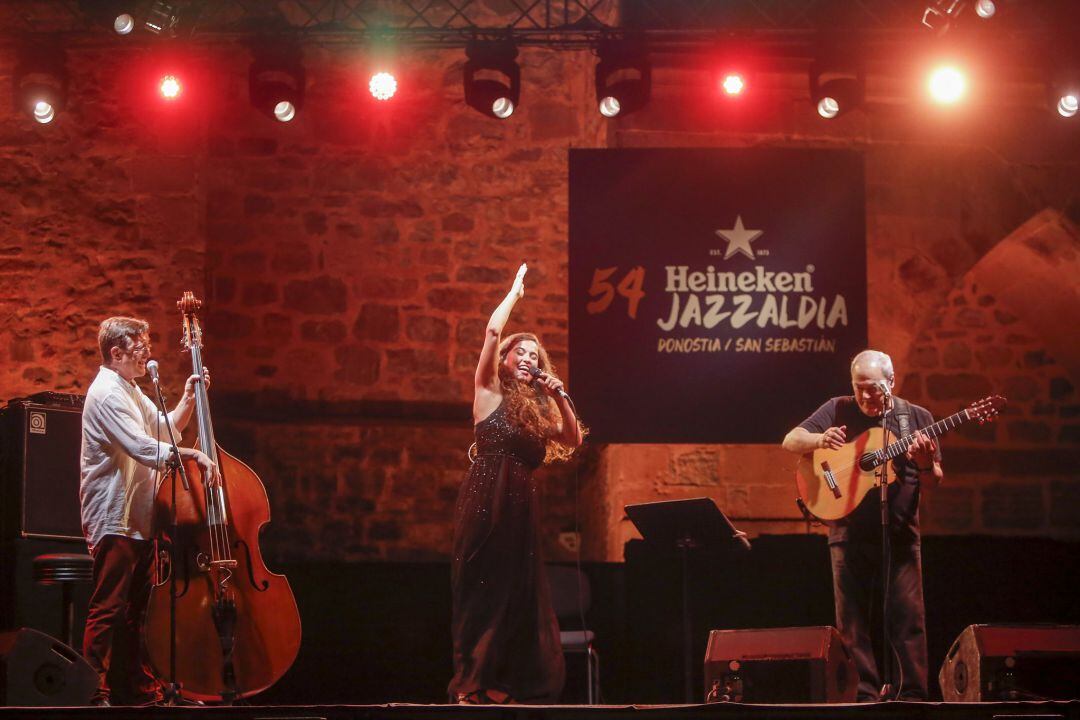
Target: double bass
219, 625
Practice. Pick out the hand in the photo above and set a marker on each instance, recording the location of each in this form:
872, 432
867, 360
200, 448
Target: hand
210, 472
551, 384
833, 438
518, 288
922, 450
189, 386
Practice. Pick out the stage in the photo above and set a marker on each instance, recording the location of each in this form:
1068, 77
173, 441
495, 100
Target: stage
879, 711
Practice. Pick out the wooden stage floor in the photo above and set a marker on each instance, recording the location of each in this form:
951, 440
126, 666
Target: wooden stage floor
1048, 710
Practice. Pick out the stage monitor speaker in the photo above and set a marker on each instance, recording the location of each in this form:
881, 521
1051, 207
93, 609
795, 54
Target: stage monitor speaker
37, 670
40, 441
1012, 662
779, 665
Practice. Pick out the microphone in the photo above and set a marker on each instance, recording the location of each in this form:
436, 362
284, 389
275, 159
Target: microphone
152, 368
539, 374
883, 386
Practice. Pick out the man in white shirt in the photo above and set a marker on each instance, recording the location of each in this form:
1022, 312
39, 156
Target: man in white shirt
125, 444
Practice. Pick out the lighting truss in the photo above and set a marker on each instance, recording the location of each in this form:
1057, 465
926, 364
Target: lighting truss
454, 23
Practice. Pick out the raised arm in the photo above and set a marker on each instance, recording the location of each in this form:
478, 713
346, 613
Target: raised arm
487, 369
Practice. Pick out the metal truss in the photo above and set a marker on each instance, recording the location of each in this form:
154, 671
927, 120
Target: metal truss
453, 23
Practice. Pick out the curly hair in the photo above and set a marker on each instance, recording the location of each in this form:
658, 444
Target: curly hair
528, 405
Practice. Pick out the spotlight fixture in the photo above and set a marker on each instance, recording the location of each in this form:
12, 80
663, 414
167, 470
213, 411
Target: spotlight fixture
939, 15
162, 18
119, 15
497, 98
733, 83
947, 85
985, 9
123, 24
1064, 95
382, 86
834, 94
623, 80
170, 87
41, 83
276, 83
1067, 105
1063, 87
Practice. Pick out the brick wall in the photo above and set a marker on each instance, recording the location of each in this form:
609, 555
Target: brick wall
349, 260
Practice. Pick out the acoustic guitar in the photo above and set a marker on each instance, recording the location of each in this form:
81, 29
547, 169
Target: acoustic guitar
832, 483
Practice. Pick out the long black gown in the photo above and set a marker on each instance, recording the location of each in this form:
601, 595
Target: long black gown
506, 636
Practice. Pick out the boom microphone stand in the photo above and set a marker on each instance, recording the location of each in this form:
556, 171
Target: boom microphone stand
176, 467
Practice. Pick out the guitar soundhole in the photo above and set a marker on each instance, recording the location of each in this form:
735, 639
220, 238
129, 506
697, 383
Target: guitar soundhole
868, 462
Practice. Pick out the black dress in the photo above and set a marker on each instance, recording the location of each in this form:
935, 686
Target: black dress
506, 636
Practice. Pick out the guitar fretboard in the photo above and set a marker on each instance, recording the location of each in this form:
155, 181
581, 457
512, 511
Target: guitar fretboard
898, 448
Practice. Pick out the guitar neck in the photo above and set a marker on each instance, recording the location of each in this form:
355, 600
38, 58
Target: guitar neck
898, 448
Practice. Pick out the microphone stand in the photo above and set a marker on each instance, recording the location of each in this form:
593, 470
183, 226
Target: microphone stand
886, 552
175, 467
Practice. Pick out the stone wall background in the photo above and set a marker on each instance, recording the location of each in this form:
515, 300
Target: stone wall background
349, 260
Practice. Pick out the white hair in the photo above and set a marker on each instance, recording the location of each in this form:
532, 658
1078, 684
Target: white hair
874, 358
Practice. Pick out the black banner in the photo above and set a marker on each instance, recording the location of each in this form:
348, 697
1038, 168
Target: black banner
715, 295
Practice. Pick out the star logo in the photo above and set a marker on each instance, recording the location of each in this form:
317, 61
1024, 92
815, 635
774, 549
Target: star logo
739, 239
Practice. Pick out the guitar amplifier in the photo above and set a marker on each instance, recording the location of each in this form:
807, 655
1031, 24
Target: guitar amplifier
779, 665
1012, 662
40, 442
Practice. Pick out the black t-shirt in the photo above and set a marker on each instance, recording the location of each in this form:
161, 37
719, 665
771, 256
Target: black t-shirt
864, 523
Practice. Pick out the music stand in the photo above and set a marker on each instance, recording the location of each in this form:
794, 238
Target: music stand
685, 525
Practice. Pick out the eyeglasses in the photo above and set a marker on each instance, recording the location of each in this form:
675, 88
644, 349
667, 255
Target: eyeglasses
140, 348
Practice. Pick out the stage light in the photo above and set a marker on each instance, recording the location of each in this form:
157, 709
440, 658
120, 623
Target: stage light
284, 111
623, 79
382, 86
276, 82
985, 9
40, 82
162, 18
947, 85
115, 14
733, 84
839, 96
840, 93
123, 24
497, 98
170, 87
1067, 105
940, 14
44, 112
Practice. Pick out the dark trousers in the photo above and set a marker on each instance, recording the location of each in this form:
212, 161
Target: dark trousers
123, 573
856, 566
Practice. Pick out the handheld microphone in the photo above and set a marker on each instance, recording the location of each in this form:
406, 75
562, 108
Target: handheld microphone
540, 374
152, 368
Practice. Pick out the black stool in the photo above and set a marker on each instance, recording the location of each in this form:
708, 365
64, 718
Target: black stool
64, 569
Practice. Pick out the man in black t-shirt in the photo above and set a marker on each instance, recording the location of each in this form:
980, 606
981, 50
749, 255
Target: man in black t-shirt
855, 541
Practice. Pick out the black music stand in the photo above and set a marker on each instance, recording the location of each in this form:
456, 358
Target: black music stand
685, 525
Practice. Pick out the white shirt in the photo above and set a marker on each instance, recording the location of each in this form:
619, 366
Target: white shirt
121, 458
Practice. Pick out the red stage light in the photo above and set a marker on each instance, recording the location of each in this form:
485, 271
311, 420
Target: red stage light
733, 84
170, 87
382, 86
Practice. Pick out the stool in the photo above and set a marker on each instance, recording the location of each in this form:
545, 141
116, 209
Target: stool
64, 569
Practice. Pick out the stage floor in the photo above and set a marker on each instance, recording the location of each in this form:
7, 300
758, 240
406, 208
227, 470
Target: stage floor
1044, 710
